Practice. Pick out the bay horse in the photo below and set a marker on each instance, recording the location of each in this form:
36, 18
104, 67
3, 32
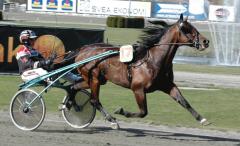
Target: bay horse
150, 71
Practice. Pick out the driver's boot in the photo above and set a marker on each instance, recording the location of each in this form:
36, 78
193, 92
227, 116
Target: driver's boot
71, 92
73, 78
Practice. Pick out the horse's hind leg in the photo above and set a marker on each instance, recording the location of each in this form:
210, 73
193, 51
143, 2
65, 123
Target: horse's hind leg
142, 104
95, 88
175, 93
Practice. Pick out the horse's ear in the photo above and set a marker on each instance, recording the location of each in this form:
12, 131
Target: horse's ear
181, 18
180, 21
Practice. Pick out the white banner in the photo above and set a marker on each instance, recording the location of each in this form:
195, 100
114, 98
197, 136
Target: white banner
52, 5
112, 7
221, 13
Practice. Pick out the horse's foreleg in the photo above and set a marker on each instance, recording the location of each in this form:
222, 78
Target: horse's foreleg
142, 104
175, 93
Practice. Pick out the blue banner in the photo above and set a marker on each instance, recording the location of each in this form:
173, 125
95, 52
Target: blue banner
173, 10
169, 10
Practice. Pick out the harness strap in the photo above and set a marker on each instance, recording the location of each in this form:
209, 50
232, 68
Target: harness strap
132, 65
129, 73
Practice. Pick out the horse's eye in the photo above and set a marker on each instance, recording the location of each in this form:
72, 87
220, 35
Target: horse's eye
185, 29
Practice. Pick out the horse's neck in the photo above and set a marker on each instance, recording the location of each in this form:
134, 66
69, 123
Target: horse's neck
163, 55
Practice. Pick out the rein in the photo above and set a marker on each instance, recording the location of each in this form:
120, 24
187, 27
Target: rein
158, 44
63, 55
65, 59
195, 42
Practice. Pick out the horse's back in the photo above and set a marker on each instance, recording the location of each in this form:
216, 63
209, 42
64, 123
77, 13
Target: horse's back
95, 49
109, 68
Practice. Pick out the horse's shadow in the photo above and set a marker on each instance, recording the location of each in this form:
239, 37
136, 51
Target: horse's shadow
131, 132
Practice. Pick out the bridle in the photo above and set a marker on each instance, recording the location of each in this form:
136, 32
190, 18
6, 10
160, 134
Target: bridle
193, 42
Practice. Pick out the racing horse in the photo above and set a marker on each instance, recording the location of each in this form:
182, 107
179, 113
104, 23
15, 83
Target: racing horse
151, 69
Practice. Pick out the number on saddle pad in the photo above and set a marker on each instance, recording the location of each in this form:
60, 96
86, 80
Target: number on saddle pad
126, 53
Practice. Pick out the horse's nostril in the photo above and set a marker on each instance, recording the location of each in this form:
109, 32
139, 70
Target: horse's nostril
206, 41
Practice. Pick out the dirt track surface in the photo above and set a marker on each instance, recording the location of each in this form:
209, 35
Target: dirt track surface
206, 80
55, 132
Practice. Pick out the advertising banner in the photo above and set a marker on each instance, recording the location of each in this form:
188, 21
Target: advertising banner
112, 7
52, 5
195, 9
221, 13
68, 5
198, 9
97, 7
1, 5
169, 10
35, 4
60, 40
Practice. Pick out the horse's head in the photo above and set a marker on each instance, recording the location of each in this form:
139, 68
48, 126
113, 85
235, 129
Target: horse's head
189, 35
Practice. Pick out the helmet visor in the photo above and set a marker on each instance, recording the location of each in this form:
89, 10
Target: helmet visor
32, 35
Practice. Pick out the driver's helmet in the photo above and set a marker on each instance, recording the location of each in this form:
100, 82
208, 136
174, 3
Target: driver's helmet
26, 35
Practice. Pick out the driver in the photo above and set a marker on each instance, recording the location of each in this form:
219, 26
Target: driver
31, 63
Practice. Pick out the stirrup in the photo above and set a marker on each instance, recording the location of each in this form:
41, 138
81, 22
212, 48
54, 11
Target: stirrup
64, 106
61, 106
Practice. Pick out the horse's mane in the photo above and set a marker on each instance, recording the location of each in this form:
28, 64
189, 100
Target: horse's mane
151, 35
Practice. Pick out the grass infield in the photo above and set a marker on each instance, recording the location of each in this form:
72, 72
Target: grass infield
221, 107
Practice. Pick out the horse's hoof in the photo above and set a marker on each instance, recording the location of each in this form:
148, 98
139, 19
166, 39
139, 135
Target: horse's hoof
204, 122
115, 126
119, 111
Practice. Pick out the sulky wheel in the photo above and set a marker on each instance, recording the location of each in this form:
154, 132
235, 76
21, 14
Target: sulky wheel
24, 115
79, 113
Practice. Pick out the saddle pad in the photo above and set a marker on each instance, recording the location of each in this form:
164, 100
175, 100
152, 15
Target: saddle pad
126, 53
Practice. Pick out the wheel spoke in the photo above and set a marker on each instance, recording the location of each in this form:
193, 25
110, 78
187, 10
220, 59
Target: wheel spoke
19, 101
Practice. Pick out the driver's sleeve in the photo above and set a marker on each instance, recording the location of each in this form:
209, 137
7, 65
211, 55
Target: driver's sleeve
24, 63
